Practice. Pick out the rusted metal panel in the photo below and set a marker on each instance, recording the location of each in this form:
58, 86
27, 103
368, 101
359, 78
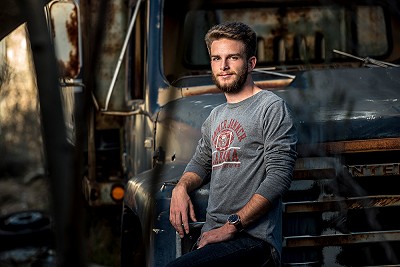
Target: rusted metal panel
114, 25
166, 95
316, 168
340, 204
314, 174
341, 239
353, 146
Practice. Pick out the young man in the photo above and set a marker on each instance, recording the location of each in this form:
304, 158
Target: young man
248, 148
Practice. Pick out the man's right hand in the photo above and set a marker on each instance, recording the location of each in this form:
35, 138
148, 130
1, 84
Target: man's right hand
181, 206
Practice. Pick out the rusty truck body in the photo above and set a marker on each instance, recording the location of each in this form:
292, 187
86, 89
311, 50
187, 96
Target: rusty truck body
335, 63
141, 69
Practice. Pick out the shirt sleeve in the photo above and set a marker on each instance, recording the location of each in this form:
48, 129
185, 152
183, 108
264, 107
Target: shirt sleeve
280, 154
201, 162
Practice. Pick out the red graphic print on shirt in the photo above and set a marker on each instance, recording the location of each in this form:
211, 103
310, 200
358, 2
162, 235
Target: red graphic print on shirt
226, 155
224, 140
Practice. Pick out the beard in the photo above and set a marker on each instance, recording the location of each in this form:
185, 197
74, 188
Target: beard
236, 85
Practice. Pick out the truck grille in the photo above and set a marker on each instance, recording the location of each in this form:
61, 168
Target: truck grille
342, 208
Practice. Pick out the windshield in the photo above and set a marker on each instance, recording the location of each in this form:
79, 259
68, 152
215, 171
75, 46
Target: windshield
287, 35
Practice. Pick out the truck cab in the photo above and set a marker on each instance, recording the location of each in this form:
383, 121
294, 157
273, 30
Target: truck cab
336, 65
138, 74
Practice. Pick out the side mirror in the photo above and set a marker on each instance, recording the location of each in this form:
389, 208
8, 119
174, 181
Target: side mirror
65, 31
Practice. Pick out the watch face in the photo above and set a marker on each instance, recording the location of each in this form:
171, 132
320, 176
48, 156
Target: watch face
234, 218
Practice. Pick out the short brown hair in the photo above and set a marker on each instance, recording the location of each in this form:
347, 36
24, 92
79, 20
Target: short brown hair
234, 31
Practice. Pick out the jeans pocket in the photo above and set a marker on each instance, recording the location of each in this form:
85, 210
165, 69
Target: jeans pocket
275, 257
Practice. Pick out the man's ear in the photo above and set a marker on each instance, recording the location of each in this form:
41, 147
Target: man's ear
252, 63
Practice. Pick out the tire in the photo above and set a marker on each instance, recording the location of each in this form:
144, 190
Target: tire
26, 228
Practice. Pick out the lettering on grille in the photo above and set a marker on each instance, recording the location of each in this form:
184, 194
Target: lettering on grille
374, 169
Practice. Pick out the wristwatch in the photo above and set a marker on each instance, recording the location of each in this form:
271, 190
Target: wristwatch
234, 219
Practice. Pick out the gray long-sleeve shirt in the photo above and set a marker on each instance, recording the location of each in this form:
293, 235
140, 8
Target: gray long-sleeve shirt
248, 148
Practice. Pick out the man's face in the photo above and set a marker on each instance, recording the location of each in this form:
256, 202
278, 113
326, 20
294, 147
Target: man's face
229, 65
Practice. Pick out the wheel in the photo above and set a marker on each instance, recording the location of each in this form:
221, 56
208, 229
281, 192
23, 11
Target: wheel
26, 228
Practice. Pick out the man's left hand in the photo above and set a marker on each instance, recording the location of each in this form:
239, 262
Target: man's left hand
226, 232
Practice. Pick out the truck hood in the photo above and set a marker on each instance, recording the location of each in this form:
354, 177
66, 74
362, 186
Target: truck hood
327, 105
345, 104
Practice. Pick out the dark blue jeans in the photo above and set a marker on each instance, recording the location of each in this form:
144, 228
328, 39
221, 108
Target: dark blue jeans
243, 250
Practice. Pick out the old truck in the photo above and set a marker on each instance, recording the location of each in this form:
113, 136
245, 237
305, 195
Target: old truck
334, 62
140, 71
